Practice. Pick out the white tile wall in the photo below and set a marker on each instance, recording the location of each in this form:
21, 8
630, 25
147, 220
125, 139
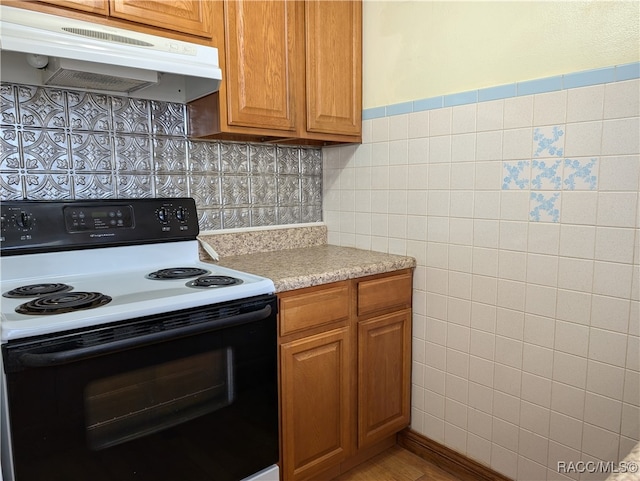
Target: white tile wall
523, 216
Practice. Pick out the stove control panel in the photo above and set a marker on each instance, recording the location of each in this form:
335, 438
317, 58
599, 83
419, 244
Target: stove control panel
45, 226
173, 217
97, 218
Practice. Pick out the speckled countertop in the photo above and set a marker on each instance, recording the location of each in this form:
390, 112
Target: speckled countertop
311, 266
297, 256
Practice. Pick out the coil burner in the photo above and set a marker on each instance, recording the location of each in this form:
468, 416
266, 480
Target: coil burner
212, 282
36, 290
63, 302
177, 273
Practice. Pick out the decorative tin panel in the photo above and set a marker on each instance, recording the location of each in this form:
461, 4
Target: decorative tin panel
9, 115
131, 115
171, 186
41, 107
47, 186
235, 218
91, 152
235, 190
204, 157
133, 153
206, 190
234, 158
93, 185
88, 111
261, 216
262, 159
133, 186
11, 185
264, 190
170, 155
10, 150
45, 150
288, 160
167, 118
59, 144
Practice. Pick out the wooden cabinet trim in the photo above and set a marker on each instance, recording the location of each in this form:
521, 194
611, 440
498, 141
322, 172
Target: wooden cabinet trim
97, 11
313, 307
100, 7
192, 17
386, 292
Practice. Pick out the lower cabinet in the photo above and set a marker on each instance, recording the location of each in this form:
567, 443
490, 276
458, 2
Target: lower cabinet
384, 366
316, 380
345, 367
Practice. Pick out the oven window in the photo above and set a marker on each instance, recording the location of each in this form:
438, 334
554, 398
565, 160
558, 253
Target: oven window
148, 400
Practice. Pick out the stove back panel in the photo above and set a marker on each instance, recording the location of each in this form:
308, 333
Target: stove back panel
30, 227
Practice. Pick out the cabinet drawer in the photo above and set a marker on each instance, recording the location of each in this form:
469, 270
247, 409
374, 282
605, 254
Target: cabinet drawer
314, 307
384, 293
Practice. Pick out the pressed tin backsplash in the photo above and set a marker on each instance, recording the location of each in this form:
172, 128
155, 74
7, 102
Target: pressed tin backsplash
63, 144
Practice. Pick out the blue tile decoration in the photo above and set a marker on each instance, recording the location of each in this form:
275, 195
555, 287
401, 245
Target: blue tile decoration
398, 109
579, 174
615, 73
539, 86
589, 77
428, 104
461, 98
548, 141
546, 174
628, 71
544, 207
497, 93
516, 175
374, 113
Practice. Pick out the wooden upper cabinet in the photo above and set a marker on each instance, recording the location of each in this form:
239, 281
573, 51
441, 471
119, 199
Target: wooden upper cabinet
100, 7
192, 17
292, 72
259, 68
333, 50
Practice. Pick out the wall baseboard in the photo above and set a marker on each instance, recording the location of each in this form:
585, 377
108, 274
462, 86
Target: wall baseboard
446, 458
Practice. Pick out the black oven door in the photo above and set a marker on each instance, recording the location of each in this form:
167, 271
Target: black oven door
186, 396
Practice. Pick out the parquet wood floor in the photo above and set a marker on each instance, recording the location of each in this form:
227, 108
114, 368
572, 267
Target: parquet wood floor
396, 464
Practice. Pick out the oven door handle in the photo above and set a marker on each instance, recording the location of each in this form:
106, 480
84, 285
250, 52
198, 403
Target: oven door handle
64, 357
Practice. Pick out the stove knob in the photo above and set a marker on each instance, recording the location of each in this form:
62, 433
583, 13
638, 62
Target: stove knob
163, 214
181, 214
24, 220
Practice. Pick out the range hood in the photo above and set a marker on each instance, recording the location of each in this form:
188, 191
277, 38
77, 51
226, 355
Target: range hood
42, 49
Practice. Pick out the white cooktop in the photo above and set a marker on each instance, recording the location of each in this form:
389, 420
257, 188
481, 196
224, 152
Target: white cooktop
118, 272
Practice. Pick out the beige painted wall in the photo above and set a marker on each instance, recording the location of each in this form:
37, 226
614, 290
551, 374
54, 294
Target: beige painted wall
421, 49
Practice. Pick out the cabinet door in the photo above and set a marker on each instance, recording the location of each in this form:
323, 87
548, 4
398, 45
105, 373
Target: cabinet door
192, 17
259, 63
333, 36
384, 376
93, 6
315, 403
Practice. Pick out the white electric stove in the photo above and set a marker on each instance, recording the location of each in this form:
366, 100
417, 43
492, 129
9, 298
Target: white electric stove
121, 274
164, 343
